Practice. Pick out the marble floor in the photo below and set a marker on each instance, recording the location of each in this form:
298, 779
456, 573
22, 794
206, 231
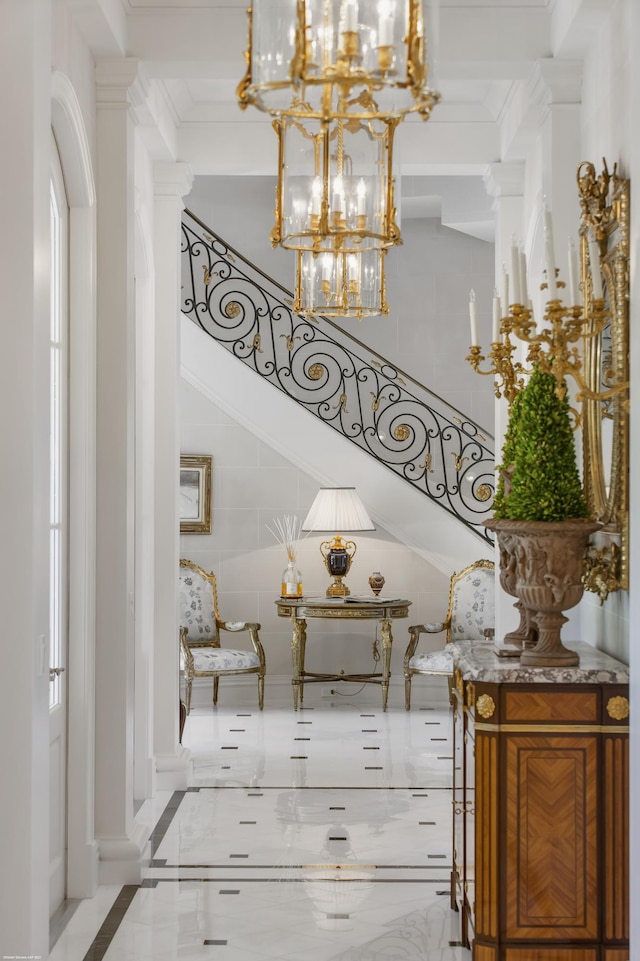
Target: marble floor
321, 835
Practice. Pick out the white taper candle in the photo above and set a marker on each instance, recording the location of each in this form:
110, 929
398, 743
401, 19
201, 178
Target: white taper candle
515, 272
495, 333
573, 273
505, 290
473, 318
549, 255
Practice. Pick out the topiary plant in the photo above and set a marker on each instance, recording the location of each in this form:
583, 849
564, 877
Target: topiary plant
504, 469
540, 478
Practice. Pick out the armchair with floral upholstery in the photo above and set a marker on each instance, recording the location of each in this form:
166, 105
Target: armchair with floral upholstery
470, 615
201, 653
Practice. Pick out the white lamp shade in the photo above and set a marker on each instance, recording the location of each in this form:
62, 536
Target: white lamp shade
337, 509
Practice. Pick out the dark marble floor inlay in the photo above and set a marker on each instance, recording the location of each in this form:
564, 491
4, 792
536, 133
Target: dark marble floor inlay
165, 819
229, 891
426, 822
217, 941
370, 748
299, 757
247, 822
379, 768
113, 920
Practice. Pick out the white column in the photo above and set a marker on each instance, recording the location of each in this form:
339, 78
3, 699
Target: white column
555, 91
555, 88
25, 57
75, 156
505, 183
122, 844
172, 182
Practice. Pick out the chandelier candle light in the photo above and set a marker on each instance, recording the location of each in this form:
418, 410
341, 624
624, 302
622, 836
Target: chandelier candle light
287, 533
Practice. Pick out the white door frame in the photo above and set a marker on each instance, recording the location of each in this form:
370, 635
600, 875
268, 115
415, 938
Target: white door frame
73, 147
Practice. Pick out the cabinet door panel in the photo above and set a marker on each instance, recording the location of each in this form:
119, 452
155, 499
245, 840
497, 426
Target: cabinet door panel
616, 837
486, 840
551, 811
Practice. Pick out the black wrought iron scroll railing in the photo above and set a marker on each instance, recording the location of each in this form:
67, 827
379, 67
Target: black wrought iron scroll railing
400, 423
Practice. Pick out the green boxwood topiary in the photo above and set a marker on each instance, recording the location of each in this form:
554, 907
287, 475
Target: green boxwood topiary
539, 460
507, 457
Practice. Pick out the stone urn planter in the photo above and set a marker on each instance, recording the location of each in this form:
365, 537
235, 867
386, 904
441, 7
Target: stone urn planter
547, 561
525, 635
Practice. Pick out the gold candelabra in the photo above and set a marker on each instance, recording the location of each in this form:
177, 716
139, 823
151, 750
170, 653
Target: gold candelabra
510, 372
552, 349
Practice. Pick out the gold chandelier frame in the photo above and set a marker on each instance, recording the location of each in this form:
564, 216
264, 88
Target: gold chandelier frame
362, 229
325, 86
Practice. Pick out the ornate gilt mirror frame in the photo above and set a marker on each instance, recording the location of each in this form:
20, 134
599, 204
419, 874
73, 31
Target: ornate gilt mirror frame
604, 247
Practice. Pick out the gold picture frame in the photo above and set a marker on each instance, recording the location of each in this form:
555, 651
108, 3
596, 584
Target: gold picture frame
605, 241
195, 493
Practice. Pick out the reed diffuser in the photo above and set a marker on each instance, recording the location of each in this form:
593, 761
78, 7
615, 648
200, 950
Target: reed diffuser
287, 533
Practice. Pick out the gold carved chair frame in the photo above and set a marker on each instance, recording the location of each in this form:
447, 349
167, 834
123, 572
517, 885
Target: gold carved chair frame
604, 202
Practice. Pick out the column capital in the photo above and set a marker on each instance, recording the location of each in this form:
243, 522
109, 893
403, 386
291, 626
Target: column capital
171, 180
504, 180
553, 82
120, 83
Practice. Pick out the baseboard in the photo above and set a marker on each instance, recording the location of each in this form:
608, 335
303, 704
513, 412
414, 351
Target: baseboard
123, 860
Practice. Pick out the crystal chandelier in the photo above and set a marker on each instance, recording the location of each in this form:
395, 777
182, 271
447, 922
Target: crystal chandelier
338, 76
340, 283
335, 180
337, 58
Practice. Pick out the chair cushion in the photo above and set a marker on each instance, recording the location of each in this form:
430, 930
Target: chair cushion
196, 606
473, 606
435, 662
210, 659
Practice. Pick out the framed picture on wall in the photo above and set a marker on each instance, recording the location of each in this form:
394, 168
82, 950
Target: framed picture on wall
195, 493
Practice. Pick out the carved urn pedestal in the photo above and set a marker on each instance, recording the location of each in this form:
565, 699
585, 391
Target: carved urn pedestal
546, 560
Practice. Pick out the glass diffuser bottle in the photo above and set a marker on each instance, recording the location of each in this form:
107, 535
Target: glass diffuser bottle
286, 531
291, 581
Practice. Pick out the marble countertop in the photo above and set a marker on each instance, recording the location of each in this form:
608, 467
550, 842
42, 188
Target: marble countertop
478, 661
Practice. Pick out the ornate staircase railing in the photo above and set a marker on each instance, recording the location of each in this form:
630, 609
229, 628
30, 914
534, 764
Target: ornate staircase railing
388, 414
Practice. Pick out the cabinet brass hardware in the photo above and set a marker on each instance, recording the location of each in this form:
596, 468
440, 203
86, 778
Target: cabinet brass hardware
618, 708
471, 694
464, 810
485, 705
459, 682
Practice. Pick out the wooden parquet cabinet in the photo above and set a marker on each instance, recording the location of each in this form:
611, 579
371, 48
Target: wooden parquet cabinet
541, 842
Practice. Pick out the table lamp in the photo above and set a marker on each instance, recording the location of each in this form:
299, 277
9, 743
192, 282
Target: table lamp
337, 509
